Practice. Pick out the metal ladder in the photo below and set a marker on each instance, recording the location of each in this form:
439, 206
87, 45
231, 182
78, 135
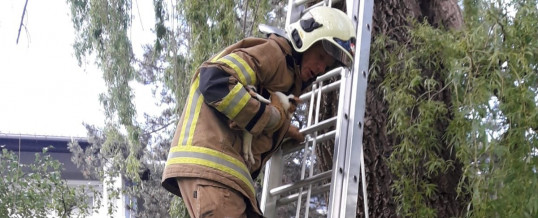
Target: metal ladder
342, 181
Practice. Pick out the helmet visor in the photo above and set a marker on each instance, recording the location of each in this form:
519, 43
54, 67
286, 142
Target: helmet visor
338, 53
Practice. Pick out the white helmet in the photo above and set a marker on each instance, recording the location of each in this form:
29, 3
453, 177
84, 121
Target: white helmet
330, 26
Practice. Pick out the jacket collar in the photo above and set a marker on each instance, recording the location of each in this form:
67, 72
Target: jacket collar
282, 42
293, 60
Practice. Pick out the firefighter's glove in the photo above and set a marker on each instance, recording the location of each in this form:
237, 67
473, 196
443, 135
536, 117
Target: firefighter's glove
293, 133
279, 115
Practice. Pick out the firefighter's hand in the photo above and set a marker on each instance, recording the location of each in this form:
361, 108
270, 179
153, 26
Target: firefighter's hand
293, 133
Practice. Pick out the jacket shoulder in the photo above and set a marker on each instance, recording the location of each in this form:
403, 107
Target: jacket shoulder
270, 57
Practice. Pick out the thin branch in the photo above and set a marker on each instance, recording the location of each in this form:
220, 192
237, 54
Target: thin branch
22, 18
254, 19
245, 19
64, 204
139, 16
160, 128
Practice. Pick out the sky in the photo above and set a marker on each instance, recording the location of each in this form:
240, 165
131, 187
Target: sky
43, 91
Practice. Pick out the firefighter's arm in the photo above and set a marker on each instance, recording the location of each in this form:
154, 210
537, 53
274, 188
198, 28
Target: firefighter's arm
223, 82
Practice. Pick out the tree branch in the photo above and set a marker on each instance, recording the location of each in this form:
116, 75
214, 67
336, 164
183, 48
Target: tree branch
245, 19
22, 18
160, 128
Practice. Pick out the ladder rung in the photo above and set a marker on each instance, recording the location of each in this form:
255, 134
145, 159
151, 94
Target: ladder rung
324, 89
319, 126
290, 147
288, 187
326, 136
301, 2
329, 74
313, 6
293, 197
351, 90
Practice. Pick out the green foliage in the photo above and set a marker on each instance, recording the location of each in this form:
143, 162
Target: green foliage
214, 25
416, 116
470, 94
102, 27
187, 33
489, 123
37, 189
105, 160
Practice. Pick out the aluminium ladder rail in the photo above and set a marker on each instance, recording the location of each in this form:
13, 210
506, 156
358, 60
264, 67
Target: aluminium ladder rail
345, 129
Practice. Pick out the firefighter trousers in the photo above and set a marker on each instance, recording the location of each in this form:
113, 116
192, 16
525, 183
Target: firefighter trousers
205, 198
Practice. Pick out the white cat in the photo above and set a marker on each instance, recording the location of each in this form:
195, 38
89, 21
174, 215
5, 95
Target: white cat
286, 104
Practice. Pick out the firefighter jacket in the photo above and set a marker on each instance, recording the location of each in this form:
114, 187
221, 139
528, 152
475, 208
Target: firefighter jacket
204, 145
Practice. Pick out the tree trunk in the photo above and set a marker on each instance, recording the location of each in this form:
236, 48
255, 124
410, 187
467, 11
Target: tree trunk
389, 18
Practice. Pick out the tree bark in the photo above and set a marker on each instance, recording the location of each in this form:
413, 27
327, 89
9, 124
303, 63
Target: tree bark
389, 19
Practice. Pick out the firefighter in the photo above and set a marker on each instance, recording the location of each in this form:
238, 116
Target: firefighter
205, 165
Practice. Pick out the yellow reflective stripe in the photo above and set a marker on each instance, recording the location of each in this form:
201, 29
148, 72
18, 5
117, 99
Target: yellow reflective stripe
211, 158
249, 72
236, 69
234, 102
218, 56
242, 69
211, 152
195, 117
191, 114
187, 160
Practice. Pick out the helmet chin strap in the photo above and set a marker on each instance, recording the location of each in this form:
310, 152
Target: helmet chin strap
295, 60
